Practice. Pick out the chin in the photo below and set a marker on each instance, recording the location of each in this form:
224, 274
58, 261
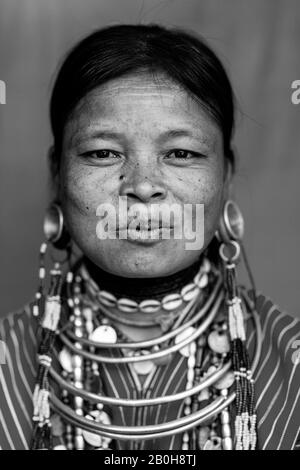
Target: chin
143, 271
137, 266
134, 260
146, 266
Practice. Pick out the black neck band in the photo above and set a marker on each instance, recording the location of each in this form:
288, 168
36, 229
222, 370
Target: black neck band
139, 289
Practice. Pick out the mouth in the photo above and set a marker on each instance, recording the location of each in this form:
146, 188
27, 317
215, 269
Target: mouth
145, 232
146, 226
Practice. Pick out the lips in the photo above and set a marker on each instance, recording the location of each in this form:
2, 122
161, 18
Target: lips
148, 225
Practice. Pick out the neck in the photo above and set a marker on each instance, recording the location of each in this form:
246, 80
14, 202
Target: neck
140, 289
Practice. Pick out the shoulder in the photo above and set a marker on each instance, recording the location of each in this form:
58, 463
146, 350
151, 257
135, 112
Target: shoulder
277, 375
279, 330
18, 367
18, 327
18, 336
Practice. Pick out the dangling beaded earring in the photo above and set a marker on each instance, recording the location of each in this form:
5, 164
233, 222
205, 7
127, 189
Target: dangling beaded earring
230, 234
47, 307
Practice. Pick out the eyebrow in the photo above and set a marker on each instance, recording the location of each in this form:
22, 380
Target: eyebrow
163, 137
173, 133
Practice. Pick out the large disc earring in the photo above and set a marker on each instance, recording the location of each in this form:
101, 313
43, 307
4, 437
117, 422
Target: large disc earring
54, 229
231, 225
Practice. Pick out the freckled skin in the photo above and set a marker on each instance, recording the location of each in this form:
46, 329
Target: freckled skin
141, 109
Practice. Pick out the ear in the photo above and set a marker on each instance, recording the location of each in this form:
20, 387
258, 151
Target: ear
228, 181
53, 162
228, 176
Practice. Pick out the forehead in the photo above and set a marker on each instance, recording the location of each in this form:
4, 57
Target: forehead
137, 89
142, 101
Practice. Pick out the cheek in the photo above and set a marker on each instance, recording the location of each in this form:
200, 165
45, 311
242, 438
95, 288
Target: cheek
83, 189
204, 187
207, 188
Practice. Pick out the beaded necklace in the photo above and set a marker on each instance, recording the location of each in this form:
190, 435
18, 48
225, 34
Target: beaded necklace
88, 422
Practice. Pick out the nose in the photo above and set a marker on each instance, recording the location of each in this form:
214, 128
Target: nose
142, 185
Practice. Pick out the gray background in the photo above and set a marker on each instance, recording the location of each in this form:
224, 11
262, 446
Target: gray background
259, 43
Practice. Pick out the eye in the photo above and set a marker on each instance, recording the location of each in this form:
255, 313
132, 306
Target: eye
102, 154
180, 154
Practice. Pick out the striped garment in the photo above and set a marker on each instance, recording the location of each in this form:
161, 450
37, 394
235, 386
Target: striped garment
277, 380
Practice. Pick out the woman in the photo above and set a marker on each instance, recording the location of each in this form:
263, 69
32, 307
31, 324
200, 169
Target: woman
146, 340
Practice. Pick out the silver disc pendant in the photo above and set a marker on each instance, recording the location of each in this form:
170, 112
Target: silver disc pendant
104, 334
93, 439
219, 342
185, 351
143, 367
65, 359
225, 382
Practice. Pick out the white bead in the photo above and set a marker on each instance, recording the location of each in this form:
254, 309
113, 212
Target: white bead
77, 374
227, 443
206, 267
78, 401
189, 292
185, 351
42, 273
226, 431
225, 417
78, 322
126, 305
104, 334
143, 367
107, 299
76, 361
190, 375
211, 370
203, 395
65, 360
79, 442
172, 302
201, 280
191, 362
150, 306
35, 311
188, 401
218, 342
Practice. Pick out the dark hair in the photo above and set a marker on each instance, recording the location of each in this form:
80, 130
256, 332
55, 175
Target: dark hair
114, 51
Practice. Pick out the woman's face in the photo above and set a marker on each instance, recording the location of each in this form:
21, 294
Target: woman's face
146, 139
